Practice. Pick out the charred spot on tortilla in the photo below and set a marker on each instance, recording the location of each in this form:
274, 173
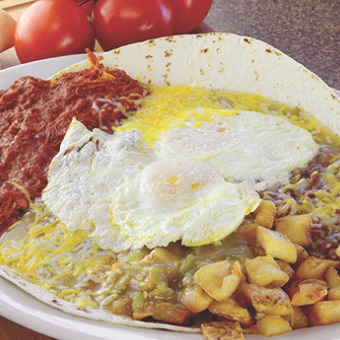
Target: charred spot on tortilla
170, 39
56, 302
151, 42
168, 53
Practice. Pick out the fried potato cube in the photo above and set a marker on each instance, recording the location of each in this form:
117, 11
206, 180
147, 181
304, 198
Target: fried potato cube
247, 233
220, 280
121, 306
313, 267
195, 299
265, 213
169, 312
258, 250
161, 255
286, 267
271, 325
307, 292
263, 270
226, 330
302, 254
333, 277
272, 301
337, 252
333, 280
324, 313
276, 244
296, 228
334, 293
299, 319
231, 310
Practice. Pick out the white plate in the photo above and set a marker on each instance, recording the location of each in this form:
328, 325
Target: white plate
22, 308
41, 69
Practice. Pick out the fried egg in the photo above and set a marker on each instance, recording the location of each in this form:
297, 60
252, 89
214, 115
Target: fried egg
115, 186
88, 169
182, 199
249, 147
172, 172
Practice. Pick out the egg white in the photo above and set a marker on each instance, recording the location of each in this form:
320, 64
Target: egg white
256, 149
88, 169
181, 199
116, 187
195, 182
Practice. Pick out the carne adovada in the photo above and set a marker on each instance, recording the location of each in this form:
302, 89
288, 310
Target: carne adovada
201, 211
35, 115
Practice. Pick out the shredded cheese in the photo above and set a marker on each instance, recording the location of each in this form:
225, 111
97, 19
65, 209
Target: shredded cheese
71, 265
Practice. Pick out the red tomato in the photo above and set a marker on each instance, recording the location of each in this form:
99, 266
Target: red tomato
121, 22
86, 6
189, 14
52, 28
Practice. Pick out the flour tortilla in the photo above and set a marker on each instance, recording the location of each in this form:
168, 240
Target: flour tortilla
216, 61
229, 62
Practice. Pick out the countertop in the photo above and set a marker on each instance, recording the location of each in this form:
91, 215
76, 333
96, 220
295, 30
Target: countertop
306, 30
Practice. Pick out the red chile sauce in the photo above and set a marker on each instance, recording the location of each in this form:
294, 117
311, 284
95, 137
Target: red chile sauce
34, 117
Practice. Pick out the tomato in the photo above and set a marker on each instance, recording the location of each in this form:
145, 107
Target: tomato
189, 14
52, 28
86, 6
121, 22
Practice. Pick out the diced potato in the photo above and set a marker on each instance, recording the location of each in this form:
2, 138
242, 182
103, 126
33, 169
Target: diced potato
276, 244
324, 313
302, 254
161, 255
195, 299
271, 325
143, 313
337, 252
226, 330
272, 301
299, 319
220, 280
247, 233
313, 267
121, 306
307, 292
286, 267
258, 250
296, 228
263, 270
231, 310
169, 312
334, 293
265, 213
333, 277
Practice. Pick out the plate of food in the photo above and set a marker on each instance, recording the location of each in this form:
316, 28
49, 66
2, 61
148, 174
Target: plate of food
183, 186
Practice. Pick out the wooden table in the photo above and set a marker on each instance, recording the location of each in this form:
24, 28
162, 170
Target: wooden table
12, 331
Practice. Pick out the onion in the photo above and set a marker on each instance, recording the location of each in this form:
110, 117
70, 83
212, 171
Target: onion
7, 28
